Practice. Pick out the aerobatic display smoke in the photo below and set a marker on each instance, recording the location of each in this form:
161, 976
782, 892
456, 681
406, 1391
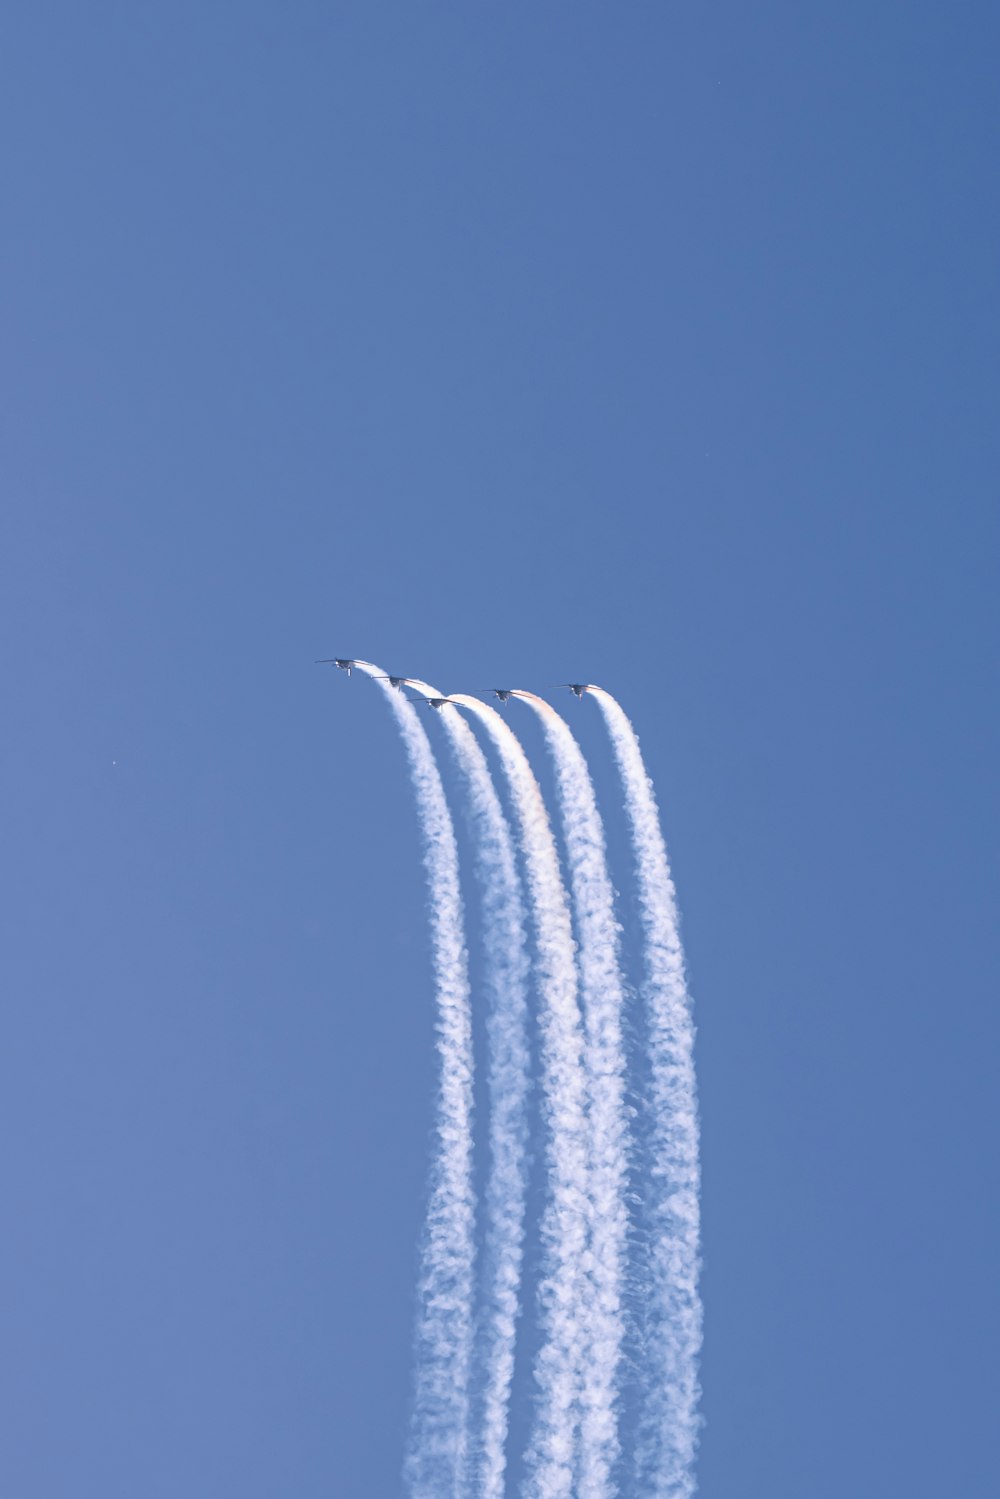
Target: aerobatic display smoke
551, 1456
509, 1069
618, 1235
602, 997
672, 1311
437, 1457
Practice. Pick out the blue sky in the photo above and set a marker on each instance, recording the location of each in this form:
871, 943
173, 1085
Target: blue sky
655, 346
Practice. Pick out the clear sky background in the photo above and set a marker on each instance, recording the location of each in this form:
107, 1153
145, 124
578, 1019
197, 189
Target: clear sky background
651, 344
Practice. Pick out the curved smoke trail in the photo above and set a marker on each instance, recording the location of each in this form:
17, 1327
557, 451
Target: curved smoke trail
668, 1433
603, 997
437, 1457
552, 1451
509, 1074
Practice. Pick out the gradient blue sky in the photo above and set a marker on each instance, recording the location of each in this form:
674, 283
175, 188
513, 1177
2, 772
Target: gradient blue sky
653, 344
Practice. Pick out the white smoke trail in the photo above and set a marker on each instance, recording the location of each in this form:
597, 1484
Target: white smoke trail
551, 1458
438, 1453
668, 1434
509, 1073
603, 996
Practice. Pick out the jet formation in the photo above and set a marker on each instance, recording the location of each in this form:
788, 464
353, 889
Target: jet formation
503, 694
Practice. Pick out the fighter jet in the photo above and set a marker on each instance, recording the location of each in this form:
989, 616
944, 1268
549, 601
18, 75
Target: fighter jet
432, 702
336, 661
503, 693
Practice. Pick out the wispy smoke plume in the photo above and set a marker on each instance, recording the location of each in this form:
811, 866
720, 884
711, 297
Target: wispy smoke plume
437, 1457
509, 1073
602, 994
668, 1431
464, 1368
551, 1455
